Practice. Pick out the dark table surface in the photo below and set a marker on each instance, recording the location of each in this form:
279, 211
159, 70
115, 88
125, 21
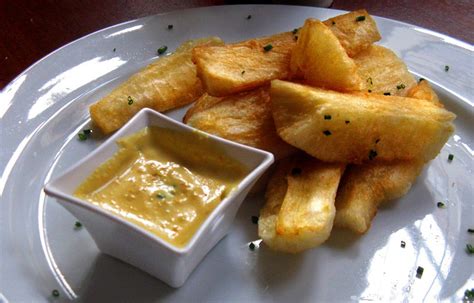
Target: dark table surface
30, 29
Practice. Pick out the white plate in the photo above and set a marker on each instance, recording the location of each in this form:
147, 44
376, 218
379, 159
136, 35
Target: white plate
43, 109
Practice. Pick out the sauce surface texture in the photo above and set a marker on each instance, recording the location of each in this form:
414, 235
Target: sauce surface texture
165, 181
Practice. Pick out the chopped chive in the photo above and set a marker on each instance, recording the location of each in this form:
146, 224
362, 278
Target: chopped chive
327, 132
267, 47
87, 131
55, 293
160, 196
296, 171
401, 86
347, 121
333, 22
249, 17
114, 49
170, 26
369, 80
360, 18
372, 154
130, 100
440, 205
369, 90
470, 230
421, 79
77, 225
82, 136
162, 50
469, 295
254, 219
446, 68
387, 94
450, 157
377, 141
403, 244
419, 272
294, 31
469, 249
243, 72
327, 117
251, 246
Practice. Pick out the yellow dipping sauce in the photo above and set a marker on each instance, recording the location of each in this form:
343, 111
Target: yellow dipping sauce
165, 181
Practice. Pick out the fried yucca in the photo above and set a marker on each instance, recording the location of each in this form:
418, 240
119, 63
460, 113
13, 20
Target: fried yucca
167, 83
337, 127
383, 72
424, 91
237, 67
245, 118
299, 209
355, 31
364, 187
322, 61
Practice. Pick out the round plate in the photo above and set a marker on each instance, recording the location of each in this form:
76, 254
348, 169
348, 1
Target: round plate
45, 107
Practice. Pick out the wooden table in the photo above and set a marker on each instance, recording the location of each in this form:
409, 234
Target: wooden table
29, 30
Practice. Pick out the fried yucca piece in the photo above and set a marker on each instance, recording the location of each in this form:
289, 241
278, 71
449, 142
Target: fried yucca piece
383, 72
167, 83
424, 91
322, 61
356, 31
364, 187
337, 127
237, 67
299, 209
245, 118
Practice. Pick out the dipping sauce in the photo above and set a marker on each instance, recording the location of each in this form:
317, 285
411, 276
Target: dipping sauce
163, 180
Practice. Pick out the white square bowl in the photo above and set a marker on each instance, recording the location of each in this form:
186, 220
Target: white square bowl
126, 241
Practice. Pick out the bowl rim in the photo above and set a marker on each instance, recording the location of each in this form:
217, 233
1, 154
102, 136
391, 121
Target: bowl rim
51, 189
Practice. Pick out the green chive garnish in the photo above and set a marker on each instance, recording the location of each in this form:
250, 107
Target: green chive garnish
162, 50
327, 117
450, 157
251, 246
82, 136
440, 205
360, 18
446, 68
469, 249
130, 100
77, 225
401, 86
254, 219
369, 80
249, 17
55, 293
347, 121
403, 244
372, 154
327, 132
170, 26
243, 72
470, 230
377, 141
267, 47
114, 49
419, 272
469, 295
421, 79
369, 90
387, 94
160, 196
295, 31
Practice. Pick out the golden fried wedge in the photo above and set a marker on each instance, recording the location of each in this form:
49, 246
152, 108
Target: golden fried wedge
364, 187
355, 30
237, 67
337, 127
322, 61
424, 91
383, 72
299, 210
245, 118
167, 83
